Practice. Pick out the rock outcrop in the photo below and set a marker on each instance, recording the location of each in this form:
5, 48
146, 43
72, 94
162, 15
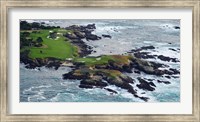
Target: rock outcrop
91, 78
145, 85
165, 82
106, 36
142, 54
81, 32
38, 62
166, 58
112, 72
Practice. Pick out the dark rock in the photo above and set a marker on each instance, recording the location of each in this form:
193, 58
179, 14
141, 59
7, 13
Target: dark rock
176, 27
73, 75
92, 37
106, 36
85, 86
95, 79
169, 43
91, 79
91, 26
74, 27
70, 35
35, 63
84, 49
149, 79
143, 55
168, 77
172, 49
159, 81
175, 71
149, 67
143, 48
77, 41
143, 98
119, 82
147, 47
127, 69
89, 47
79, 34
175, 76
158, 65
136, 71
174, 60
126, 79
165, 58
113, 65
93, 82
152, 84
110, 90
55, 64
145, 85
165, 82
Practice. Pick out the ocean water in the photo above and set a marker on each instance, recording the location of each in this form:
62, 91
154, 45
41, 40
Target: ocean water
47, 85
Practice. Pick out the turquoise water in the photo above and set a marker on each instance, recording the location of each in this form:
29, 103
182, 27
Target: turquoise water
47, 85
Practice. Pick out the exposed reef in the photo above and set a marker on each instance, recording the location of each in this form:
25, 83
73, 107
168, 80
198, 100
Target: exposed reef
109, 70
143, 53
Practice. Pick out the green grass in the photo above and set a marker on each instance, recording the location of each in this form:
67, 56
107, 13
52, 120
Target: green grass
90, 61
59, 48
94, 60
60, 30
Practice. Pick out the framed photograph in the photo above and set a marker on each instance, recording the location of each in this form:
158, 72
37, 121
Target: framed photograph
100, 60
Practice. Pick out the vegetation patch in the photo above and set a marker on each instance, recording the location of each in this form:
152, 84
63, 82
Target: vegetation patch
56, 48
104, 59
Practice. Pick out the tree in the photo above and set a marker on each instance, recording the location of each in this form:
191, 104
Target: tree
53, 35
25, 25
25, 41
39, 40
25, 34
36, 25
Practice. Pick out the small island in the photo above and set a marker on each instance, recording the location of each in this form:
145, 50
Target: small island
53, 47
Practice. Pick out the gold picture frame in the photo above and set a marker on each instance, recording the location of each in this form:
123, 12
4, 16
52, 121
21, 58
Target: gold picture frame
5, 5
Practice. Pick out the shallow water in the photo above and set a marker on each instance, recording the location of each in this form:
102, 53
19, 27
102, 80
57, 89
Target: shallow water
47, 85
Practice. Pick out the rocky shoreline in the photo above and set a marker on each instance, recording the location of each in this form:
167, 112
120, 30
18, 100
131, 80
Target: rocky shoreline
144, 54
38, 62
78, 33
112, 73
